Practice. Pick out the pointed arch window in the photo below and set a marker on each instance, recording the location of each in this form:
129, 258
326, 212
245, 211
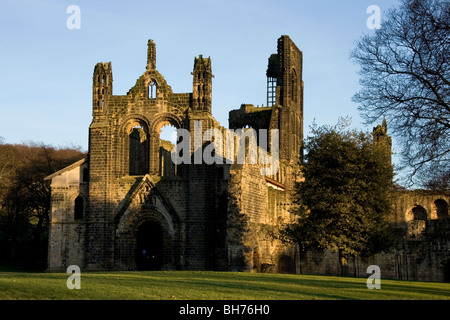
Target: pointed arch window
441, 209
138, 150
79, 208
152, 89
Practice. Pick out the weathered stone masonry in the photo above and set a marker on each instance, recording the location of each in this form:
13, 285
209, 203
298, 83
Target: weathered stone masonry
201, 217
127, 206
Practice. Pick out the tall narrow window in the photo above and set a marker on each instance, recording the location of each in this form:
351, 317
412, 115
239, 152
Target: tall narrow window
271, 91
441, 208
138, 152
168, 140
85, 175
79, 208
294, 85
152, 89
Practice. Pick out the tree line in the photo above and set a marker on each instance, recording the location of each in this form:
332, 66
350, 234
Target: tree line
25, 199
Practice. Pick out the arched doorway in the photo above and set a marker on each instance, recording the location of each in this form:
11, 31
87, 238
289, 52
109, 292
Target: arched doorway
150, 246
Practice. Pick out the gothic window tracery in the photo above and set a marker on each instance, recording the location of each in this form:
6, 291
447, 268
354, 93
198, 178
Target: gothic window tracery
152, 89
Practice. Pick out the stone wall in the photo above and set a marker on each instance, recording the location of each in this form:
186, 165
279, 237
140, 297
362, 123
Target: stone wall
422, 254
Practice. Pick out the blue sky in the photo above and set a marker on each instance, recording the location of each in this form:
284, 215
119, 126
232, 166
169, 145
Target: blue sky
46, 69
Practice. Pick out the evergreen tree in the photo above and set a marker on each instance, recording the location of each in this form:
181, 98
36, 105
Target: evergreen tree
345, 196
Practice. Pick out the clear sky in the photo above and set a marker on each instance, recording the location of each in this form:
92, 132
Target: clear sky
46, 69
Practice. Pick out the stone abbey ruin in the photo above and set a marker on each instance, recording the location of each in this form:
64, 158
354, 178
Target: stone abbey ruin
128, 206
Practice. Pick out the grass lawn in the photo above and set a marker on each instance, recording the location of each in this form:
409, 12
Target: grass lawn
188, 285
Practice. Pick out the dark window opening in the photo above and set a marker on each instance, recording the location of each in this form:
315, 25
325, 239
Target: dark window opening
138, 152
441, 209
79, 208
85, 174
419, 213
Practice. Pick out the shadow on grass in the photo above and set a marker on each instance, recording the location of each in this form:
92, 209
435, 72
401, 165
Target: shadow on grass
252, 286
204, 285
314, 287
20, 268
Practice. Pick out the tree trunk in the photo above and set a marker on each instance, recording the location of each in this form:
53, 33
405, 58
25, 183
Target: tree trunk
343, 262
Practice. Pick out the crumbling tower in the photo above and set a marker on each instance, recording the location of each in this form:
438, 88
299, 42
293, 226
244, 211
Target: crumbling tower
202, 84
285, 90
101, 88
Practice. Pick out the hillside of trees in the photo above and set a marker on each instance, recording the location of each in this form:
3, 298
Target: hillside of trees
25, 200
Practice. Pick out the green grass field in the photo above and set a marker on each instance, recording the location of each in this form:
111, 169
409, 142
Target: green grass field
185, 285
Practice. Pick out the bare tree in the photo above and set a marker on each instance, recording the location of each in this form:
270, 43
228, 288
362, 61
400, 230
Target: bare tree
25, 196
405, 77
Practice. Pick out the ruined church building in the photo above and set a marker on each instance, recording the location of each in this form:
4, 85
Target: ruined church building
128, 206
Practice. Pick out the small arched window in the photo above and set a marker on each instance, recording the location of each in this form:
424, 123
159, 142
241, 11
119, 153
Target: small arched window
441, 209
417, 218
79, 208
152, 89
